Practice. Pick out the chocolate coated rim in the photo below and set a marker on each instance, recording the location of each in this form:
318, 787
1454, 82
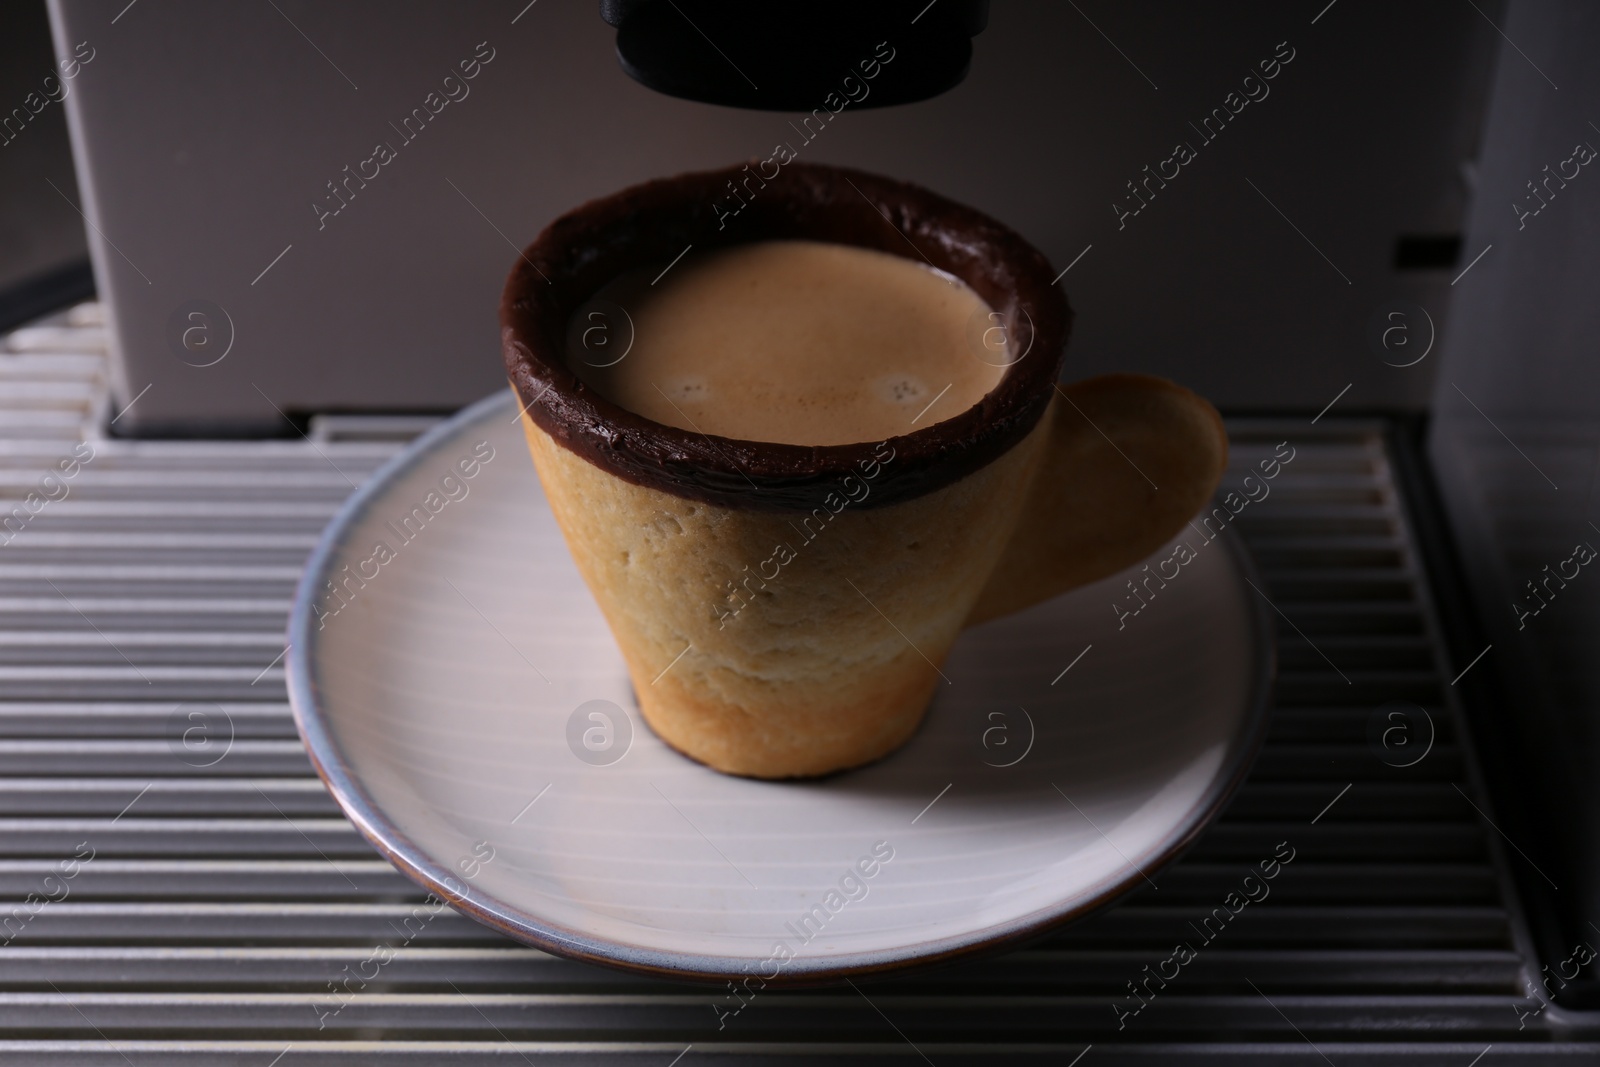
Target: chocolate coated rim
652, 223
385, 834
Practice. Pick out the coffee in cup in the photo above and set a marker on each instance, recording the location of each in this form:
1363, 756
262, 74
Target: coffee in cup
797, 342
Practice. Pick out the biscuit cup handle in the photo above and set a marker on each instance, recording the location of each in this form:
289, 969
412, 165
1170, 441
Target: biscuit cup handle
1127, 461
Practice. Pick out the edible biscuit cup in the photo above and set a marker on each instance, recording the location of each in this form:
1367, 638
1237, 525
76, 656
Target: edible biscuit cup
784, 609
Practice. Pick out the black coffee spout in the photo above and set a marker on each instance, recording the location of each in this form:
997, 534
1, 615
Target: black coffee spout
789, 55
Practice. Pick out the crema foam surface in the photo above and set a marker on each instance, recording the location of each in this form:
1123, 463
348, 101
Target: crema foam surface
794, 342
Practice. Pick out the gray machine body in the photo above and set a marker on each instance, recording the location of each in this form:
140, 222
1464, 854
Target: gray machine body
212, 140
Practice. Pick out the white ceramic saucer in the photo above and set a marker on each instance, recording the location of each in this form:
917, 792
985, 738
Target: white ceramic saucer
446, 699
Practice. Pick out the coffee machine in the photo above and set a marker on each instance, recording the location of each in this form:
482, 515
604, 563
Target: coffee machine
1367, 231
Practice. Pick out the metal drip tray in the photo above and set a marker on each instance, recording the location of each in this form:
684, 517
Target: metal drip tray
217, 894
